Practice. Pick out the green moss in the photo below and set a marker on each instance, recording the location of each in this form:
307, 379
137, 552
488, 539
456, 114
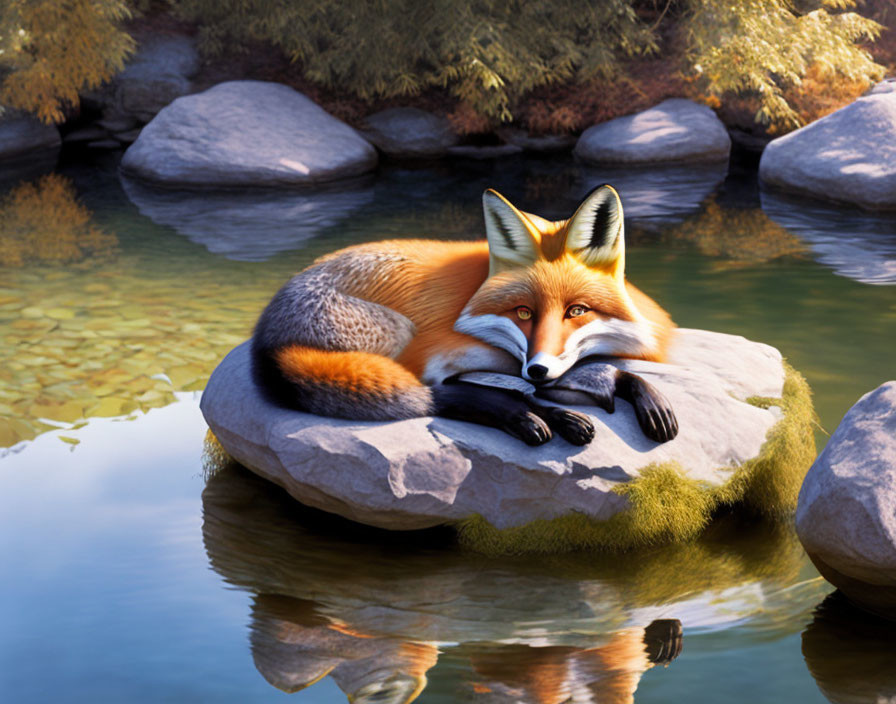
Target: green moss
667, 506
214, 456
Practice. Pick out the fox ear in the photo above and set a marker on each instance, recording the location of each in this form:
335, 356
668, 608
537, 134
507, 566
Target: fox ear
511, 242
594, 233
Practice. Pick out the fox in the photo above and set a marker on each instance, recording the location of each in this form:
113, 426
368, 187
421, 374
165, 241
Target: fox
504, 332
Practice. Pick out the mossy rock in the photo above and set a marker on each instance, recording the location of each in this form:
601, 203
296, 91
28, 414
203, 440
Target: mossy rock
746, 441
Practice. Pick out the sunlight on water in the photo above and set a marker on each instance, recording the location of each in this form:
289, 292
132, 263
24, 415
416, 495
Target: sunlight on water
139, 581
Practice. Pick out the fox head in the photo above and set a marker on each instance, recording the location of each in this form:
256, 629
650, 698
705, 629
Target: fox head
556, 291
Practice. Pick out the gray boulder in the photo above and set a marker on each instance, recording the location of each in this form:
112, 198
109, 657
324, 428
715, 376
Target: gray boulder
23, 135
846, 515
158, 73
676, 130
246, 133
888, 85
409, 133
848, 156
427, 471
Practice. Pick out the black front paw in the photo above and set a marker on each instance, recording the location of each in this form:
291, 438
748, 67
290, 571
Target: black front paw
652, 409
528, 427
663, 640
574, 427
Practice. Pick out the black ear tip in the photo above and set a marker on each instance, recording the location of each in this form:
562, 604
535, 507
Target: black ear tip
605, 188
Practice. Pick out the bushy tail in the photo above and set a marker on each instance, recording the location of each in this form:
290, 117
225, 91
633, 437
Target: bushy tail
356, 385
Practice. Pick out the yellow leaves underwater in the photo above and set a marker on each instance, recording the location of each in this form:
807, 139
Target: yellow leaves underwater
117, 338
44, 222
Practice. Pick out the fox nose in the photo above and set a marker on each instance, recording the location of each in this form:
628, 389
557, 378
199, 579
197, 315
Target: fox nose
537, 371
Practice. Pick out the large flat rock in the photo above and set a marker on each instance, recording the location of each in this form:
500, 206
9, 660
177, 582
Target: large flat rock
676, 130
246, 133
846, 515
428, 471
848, 156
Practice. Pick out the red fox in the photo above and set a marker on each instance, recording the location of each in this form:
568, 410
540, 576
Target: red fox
492, 332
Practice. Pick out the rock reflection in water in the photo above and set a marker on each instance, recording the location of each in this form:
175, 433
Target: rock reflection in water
249, 225
855, 244
657, 197
851, 653
373, 609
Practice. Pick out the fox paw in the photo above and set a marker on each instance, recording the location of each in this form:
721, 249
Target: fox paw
654, 414
574, 427
663, 640
528, 427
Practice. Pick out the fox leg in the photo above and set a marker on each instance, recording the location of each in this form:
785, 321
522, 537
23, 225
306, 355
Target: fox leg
574, 427
495, 407
598, 383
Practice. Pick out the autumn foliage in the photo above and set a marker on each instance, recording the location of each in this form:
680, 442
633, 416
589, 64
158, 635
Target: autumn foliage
44, 222
52, 50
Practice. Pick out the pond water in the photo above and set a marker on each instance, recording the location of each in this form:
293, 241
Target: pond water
130, 574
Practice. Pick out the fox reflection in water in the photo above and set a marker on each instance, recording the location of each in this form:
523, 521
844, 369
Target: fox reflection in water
608, 674
375, 613
294, 646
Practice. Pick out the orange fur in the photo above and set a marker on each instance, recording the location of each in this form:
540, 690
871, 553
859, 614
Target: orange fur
430, 282
353, 371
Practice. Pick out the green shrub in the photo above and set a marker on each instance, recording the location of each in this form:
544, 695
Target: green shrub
490, 54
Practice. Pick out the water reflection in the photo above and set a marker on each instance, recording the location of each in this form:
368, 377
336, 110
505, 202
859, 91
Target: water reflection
855, 244
352, 602
736, 236
608, 673
851, 653
43, 222
255, 225
294, 646
659, 196
249, 225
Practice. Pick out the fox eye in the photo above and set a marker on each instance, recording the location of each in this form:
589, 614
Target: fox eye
575, 311
524, 313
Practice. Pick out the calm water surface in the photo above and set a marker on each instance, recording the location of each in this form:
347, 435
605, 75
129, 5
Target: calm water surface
129, 575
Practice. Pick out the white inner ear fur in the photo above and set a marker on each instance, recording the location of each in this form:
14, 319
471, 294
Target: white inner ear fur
581, 234
496, 330
510, 242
